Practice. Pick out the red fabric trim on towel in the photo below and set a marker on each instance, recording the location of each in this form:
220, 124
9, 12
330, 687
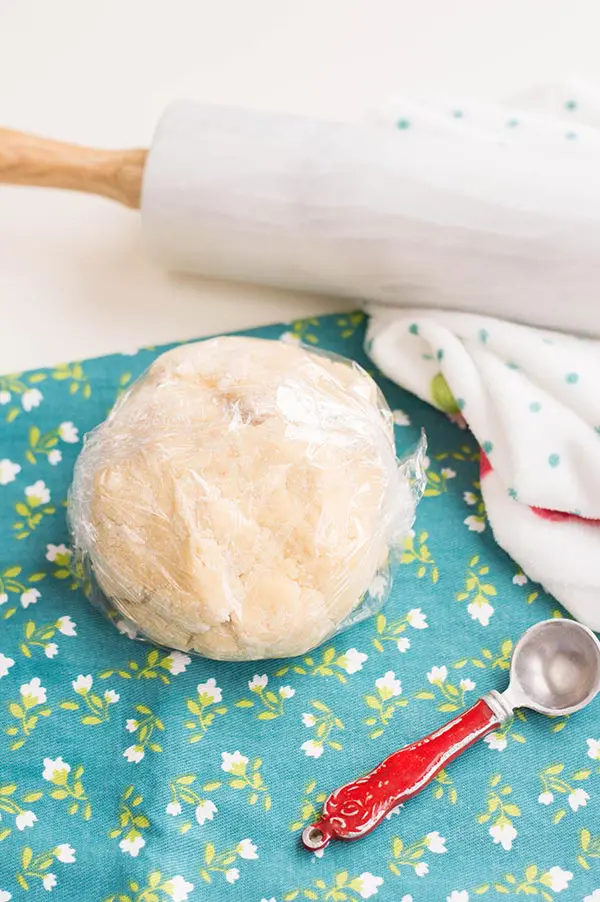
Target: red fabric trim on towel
544, 513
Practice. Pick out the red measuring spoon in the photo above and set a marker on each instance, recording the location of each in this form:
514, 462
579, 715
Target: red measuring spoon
555, 670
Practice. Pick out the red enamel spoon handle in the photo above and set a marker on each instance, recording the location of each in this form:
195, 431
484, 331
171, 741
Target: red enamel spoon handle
356, 808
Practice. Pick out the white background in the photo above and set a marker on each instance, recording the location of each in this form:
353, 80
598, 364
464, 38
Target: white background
73, 278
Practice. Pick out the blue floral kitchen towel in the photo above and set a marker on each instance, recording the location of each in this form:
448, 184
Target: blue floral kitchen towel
131, 774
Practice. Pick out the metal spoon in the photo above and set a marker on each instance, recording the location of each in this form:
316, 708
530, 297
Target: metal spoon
555, 670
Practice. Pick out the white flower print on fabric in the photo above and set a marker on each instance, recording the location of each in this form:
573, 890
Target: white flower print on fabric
38, 493
205, 811
246, 849
435, 843
58, 554
594, 897
5, 664
174, 808
68, 432
65, 853
31, 398
34, 692
437, 674
209, 691
481, 612
134, 754
593, 749
367, 884
503, 834
496, 741
558, 879
233, 763
578, 799
8, 471
54, 457
30, 596
352, 660
82, 683
176, 662
400, 418
231, 875
458, 895
178, 888
56, 770
126, 628
475, 523
389, 685
66, 626
378, 586
312, 749
417, 619
132, 845
49, 882
25, 819
258, 682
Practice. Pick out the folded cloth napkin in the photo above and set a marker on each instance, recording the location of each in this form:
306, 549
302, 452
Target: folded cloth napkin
532, 400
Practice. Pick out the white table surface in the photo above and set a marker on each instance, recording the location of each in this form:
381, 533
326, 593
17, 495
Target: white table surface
73, 279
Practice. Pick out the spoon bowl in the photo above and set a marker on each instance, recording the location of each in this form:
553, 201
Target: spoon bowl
555, 668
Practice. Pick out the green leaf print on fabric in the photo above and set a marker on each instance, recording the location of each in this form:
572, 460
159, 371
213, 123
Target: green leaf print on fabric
417, 552
499, 813
131, 823
383, 703
72, 374
449, 696
94, 709
25, 713
478, 591
267, 704
19, 393
35, 506
310, 806
68, 786
329, 663
441, 395
246, 775
325, 725
204, 708
187, 797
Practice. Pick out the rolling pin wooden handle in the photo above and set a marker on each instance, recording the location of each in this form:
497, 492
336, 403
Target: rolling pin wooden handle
29, 160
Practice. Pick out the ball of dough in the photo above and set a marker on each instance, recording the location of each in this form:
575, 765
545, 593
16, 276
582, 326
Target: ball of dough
241, 498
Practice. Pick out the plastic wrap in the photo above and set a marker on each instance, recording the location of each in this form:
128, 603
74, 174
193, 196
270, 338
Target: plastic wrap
243, 500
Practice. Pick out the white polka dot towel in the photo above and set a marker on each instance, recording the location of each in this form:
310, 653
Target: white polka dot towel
532, 400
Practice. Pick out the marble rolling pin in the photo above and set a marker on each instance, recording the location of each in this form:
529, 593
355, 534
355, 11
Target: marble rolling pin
360, 211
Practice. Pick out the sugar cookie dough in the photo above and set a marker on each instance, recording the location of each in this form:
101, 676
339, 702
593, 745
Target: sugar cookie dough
242, 498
